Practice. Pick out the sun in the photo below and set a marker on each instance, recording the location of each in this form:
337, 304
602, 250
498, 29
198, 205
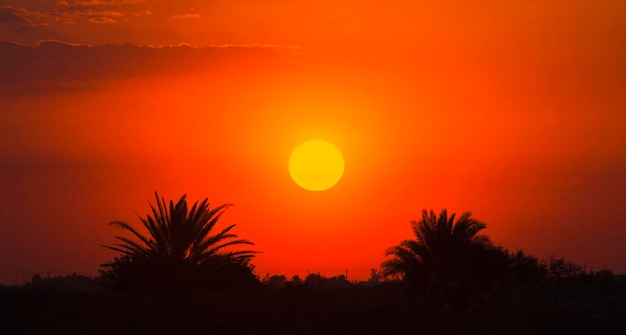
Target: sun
316, 165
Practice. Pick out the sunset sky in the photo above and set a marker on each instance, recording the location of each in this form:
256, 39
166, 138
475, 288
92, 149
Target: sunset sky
515, 111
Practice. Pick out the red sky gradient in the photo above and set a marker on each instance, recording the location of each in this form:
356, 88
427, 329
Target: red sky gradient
516, 112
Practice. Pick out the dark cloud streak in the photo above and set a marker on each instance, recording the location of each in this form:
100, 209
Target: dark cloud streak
92, 3
9, 14
53, 66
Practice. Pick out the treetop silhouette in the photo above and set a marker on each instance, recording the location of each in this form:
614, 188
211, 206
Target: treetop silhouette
447, 254
180, 242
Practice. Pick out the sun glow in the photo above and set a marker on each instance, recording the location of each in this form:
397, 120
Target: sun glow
316, 165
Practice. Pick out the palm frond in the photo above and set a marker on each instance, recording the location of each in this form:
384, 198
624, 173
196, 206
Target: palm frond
215, 249
134, 246
130, 228
213, 239
115, 248
212, 216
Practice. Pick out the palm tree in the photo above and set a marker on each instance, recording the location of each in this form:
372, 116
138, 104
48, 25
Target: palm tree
442, 253
180, 243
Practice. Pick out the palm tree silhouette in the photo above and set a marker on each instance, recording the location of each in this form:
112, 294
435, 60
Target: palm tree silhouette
442, 254
180, 240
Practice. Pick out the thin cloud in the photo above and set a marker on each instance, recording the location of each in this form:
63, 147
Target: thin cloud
101, 20
141, 13
23, 16
98, 16
187, 16
9, 14
90, 3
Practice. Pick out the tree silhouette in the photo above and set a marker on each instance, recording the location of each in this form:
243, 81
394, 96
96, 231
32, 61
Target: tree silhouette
446, 256
180, 250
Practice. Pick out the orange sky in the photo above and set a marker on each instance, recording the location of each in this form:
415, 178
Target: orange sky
512, 111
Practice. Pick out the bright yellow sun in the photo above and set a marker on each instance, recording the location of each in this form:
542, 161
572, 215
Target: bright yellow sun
316, 165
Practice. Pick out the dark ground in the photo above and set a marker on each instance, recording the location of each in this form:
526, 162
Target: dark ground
354, 310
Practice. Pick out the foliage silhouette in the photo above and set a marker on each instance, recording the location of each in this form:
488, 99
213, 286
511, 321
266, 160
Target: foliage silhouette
180, 253
316, 281
594, 306
73, 282
296, 281
526, 270
375, 276
275, 281
448, 260
448, 263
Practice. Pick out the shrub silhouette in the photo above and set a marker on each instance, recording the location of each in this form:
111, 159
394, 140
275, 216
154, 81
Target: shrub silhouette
180, 253
296, 281
526, 270
275, 281
448, 261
